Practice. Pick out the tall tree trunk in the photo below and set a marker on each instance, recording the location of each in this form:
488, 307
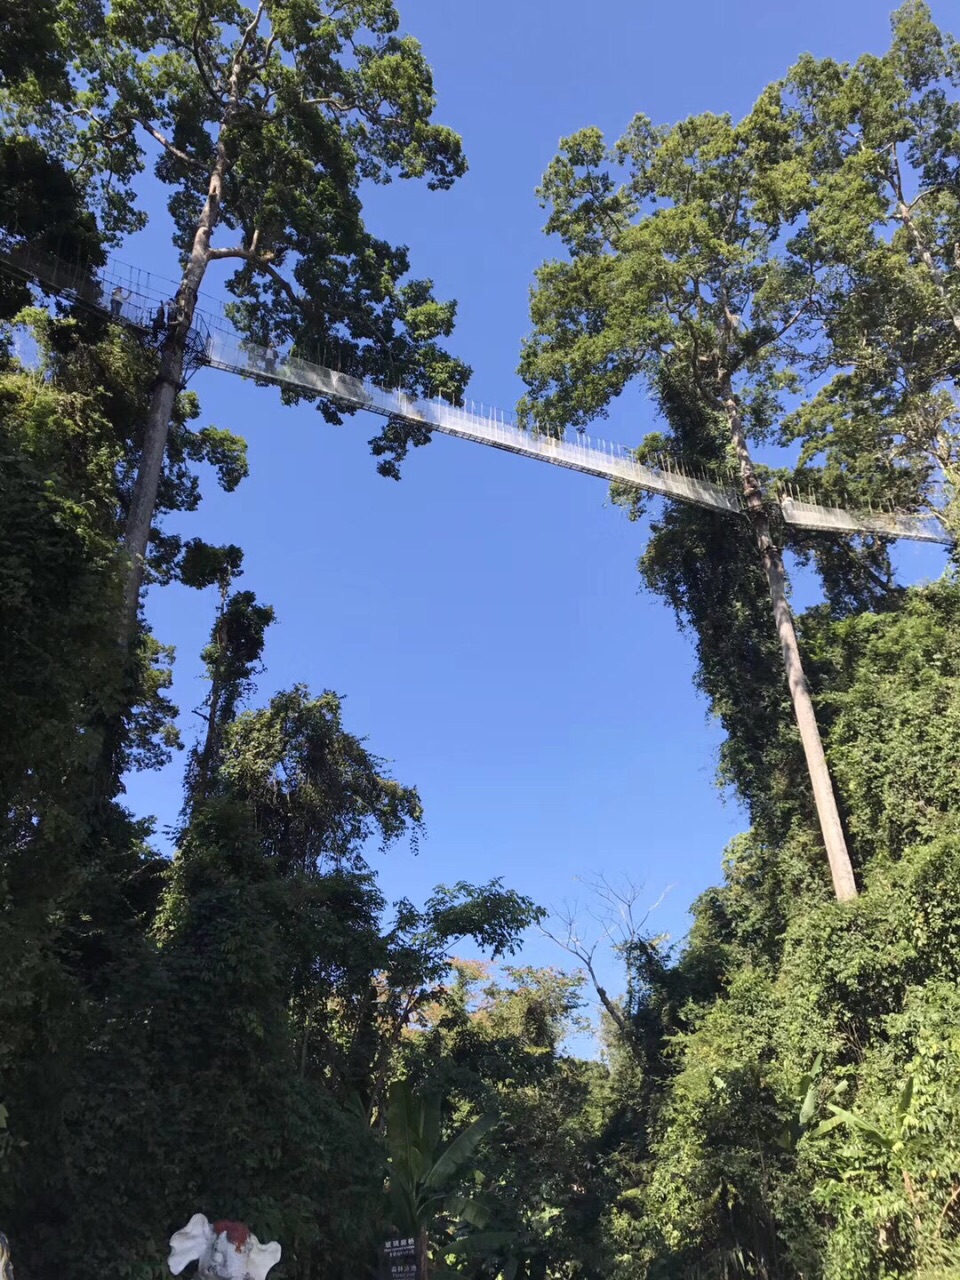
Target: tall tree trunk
841, 869
423, 1254
162, 402
168, 384
140, 515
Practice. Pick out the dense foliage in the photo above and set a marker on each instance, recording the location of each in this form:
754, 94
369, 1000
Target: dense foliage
750, 1164
184, 1029
733, 268
248, 1026
264, 122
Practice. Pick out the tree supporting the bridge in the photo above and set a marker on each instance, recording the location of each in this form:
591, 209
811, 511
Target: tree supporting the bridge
771, 558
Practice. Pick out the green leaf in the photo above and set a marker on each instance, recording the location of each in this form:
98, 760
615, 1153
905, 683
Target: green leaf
481, 1242
871, 1132
826, 1126
809, 1105
903, 1104
459, 1151
473, 1210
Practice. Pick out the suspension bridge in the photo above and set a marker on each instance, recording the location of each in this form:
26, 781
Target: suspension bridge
138, 299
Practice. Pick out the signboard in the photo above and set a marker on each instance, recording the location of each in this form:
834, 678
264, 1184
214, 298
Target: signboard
398, 1259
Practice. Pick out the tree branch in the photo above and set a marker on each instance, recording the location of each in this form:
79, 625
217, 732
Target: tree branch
585, 956
388, 1044
262, 263
95, 120
791, 322
922, 195
252, 26
168, 146
897, 180
336, 103
237, 251
268, 49
608, 217
245, 40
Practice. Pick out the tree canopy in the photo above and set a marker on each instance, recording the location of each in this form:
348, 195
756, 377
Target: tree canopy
265, 122
692, 270
243, 1022
727, 267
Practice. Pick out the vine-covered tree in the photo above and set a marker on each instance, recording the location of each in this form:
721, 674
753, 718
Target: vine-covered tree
732, 266
244, 1040
742, 262
689, 266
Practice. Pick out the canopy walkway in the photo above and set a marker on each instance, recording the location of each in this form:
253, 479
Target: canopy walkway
136, 298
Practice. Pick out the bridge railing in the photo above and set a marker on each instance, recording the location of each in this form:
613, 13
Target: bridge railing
577, 452
890, 524
137, 298
115, 290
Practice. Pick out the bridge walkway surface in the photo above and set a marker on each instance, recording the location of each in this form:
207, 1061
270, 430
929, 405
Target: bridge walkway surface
136, 298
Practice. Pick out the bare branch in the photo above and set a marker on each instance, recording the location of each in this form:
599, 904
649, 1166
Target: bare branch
244, 41
109, 138
268, 49
262, 262
168, 146
792, 321
620, 911
618, 921
923, 195
576, 948
238, 251
897, 180
336, 103
252, 26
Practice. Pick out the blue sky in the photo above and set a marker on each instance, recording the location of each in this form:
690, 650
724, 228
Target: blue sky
483, 617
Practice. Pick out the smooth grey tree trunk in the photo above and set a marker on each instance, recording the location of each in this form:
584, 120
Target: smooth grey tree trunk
162, 402
170, 379
140, 515
841, 868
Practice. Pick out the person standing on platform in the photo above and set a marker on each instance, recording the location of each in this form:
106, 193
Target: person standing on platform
117, 299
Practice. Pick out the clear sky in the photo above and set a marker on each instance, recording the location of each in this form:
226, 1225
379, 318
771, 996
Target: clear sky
484, 617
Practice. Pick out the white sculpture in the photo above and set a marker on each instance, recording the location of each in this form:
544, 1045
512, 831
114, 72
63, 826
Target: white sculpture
6, 1266
223, 1251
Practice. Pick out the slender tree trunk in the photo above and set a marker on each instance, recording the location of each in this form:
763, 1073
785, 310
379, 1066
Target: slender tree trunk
423, 1254
162, 402
169, 381
140, 515
841, 869
211, 741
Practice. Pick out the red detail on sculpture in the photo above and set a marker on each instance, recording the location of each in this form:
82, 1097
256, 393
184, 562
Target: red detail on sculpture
237, 1233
